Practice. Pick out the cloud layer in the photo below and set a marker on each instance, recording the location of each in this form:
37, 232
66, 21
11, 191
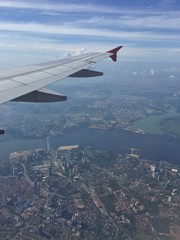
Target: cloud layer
51, 25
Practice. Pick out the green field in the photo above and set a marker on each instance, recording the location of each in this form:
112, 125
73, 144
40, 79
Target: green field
154, 124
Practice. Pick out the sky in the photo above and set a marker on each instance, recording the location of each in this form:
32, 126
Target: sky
149, 30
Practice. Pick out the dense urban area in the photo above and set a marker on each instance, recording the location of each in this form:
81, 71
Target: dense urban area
85, 193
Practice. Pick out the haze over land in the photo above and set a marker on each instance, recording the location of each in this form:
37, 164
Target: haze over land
112, 103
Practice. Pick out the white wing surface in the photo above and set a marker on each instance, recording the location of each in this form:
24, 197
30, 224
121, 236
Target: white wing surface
27, 83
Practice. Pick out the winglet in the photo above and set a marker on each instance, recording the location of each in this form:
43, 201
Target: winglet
114, 53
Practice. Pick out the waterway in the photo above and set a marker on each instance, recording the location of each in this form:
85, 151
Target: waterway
152, 146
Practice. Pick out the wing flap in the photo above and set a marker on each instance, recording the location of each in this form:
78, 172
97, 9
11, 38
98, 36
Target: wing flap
8, 85
31, 78
56, 70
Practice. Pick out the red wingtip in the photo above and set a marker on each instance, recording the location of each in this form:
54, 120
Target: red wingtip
114, 53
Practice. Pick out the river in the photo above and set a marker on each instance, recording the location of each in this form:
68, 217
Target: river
152, 147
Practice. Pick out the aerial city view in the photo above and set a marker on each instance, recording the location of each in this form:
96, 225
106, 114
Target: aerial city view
95, 155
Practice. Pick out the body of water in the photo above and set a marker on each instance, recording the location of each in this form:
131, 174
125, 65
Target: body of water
153, 124
153, 147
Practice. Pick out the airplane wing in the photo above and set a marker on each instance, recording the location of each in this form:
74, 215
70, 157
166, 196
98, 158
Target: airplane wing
26, 84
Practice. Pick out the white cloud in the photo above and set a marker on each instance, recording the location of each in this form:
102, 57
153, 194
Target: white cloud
152, 71
51, 8
47, 48
73, 30
57, 7
164, 21
135, 73
99, 31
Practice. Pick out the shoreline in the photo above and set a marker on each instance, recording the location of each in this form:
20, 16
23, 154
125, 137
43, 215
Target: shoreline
153, 147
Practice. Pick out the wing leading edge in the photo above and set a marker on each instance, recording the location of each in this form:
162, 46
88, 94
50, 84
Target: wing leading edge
27, 83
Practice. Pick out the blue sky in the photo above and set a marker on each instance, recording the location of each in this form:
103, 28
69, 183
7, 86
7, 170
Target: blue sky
149, 30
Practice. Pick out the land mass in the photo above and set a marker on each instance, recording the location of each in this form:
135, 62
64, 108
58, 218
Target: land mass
85, 193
